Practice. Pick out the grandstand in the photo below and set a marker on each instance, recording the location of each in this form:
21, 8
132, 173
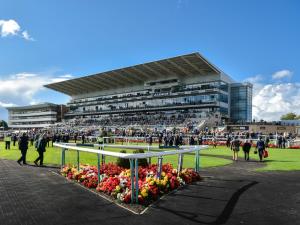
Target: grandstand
186, 90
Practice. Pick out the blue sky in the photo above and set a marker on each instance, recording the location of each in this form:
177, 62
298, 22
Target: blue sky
249, 40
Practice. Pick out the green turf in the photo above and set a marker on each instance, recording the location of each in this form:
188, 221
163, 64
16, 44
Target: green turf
53, 156
279, 160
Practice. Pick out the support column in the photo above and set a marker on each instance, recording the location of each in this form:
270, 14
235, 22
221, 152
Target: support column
159, 162
132, 179
180, 162
136, 181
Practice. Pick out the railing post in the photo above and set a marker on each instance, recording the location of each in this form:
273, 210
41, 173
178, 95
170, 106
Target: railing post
136, 181
159, 161
149, 159
180, 162
62, 158
132, 179
98, 164
197, 161
77, 160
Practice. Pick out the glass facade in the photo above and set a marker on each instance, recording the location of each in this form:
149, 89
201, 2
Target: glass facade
241, 102
208, 96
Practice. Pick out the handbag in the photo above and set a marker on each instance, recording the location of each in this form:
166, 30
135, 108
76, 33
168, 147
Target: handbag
255, 152
266, 154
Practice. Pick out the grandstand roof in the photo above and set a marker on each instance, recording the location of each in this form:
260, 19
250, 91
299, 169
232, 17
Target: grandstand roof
180, 66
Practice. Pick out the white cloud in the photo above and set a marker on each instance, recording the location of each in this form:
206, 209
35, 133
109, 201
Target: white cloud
23, 88
254, 79
26, 36
9, 27
4, 105
282, 74
272, 100
12, 28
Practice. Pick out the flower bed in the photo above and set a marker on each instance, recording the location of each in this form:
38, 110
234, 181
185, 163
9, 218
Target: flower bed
115, 181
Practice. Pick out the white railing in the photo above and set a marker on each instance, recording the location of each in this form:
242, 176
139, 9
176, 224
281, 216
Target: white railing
133, 158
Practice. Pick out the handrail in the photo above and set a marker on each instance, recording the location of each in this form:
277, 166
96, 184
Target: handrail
133, 158
182, 149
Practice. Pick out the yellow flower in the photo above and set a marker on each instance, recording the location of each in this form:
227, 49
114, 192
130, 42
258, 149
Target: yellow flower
163, 174
118, 188
144, 193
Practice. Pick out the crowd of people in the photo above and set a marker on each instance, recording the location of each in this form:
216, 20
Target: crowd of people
41, 139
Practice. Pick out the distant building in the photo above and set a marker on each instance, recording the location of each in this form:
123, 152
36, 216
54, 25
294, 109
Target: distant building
186, 89
241, 102
35, 116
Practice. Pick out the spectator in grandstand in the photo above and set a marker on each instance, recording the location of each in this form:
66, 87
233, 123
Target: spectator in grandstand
23, 146
279, 140
235, 147
283, 142
246, 149
260, 146
160, 138
214, 141
192, 140
100, 140
150, 139
41, 148
83, 138
177, 140
75, 137
200, 140
228, 141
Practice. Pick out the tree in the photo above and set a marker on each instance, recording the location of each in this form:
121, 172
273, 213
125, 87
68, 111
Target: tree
289, 116
3, 124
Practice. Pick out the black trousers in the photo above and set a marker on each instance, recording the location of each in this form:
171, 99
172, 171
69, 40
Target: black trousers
7, 145
40, 158
261, 154
23, 157
246, 155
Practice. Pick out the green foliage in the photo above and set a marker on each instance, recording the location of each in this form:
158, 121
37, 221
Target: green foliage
290, 116
123, 162
3, 124
142, 162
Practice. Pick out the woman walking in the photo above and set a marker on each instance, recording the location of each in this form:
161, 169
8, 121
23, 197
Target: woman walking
41, 148
23, 146
246, 149
235, 147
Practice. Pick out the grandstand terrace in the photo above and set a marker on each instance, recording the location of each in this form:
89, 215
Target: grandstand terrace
186, 89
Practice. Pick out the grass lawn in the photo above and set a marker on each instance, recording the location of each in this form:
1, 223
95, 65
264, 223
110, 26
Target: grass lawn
279, 159
53, 156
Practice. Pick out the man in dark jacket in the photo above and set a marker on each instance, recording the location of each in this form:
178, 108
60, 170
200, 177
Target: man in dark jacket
246, 149
41, 148
260, 146
23, 146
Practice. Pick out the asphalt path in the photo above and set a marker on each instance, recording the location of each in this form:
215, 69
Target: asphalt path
233, 194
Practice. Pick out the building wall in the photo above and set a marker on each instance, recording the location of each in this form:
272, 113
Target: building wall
264, 129
241, 102
37, 116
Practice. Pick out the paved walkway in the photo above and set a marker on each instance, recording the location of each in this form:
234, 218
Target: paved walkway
232, 195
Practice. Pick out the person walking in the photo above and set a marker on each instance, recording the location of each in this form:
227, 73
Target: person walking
235, 147
14, 139
260, 146
41, 148
7, 140
246, 149
23, 146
